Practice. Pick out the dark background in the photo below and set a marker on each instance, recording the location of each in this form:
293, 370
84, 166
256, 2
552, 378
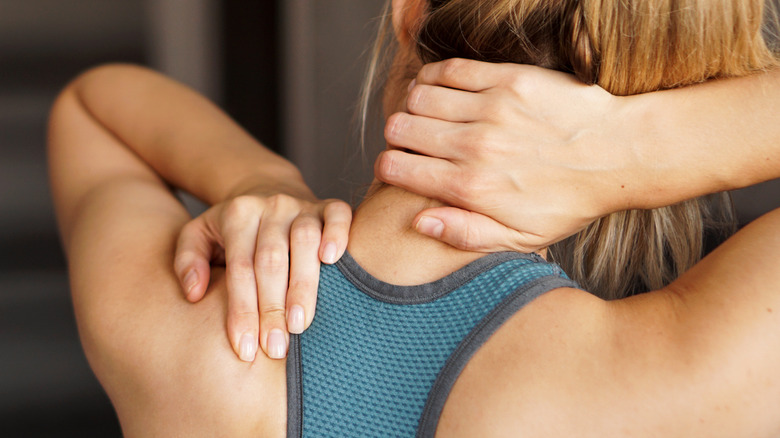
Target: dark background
288, 70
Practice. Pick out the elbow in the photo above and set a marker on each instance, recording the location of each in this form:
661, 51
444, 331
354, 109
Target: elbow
77, 120
91, 83
72, 97
109, 74
98, 77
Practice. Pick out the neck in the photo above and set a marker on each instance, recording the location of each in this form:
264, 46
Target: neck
383, 241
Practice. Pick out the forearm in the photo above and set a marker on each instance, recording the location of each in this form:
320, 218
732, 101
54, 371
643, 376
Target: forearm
185, 138
701, 139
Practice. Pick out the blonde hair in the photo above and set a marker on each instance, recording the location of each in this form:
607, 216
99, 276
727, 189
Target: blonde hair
626, 47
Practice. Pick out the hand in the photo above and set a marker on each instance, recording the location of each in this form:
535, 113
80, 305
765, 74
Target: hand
272, 246
520, 149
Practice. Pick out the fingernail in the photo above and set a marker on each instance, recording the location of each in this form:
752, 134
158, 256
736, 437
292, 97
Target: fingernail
329, 254
247, 347
277, 345
430, 226
295, 319
190, 280
411, 85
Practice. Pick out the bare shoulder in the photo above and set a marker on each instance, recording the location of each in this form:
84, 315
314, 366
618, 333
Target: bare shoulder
517, 380
165, 363
698, 358
571, 364
168, 367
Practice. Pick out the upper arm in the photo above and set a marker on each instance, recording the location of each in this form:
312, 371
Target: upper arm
85, 157
162, 360
117, 219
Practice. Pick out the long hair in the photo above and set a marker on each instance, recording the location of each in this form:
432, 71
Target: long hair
626, 47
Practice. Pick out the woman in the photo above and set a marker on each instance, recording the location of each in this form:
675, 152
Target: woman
656, 363
632, 159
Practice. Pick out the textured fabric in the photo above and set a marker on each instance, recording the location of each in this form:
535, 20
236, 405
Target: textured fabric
367, 365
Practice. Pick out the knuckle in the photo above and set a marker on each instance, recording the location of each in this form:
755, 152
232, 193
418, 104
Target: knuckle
468, 145
466, 192
306, 232
461, 192
182, 261
469, 237
191, 234
241, 268
185, 252
476, 143
241, 207
306, 220
337, 220
441, 137
337, 207
517, 84
281, 201
425, 71
451, 69
396, 123
272, 258
478, 138
272, 314
479, 183
416, 99
496, 108
190, 228
388, 167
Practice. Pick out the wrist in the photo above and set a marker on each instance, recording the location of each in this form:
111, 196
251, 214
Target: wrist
656, 163
638, 128
284, 179
614, 149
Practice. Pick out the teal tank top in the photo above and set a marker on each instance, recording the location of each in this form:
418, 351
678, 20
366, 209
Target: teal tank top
379, 360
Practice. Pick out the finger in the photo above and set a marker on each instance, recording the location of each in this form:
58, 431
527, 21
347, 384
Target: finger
447, 103
463, 74
337, 216
427, 176
240, 232
471, 231
305, 237
272, 264
192, 260
424, 135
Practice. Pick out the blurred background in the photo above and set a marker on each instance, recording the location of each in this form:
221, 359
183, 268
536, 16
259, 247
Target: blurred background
287, 70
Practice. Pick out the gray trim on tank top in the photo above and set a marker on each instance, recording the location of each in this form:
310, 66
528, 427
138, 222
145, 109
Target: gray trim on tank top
452, 368
427, 292
294, 388
418, 294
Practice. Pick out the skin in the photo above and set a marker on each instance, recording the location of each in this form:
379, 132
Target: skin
694, 359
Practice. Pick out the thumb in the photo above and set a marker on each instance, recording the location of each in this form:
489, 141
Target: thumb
193, 256
471, 231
